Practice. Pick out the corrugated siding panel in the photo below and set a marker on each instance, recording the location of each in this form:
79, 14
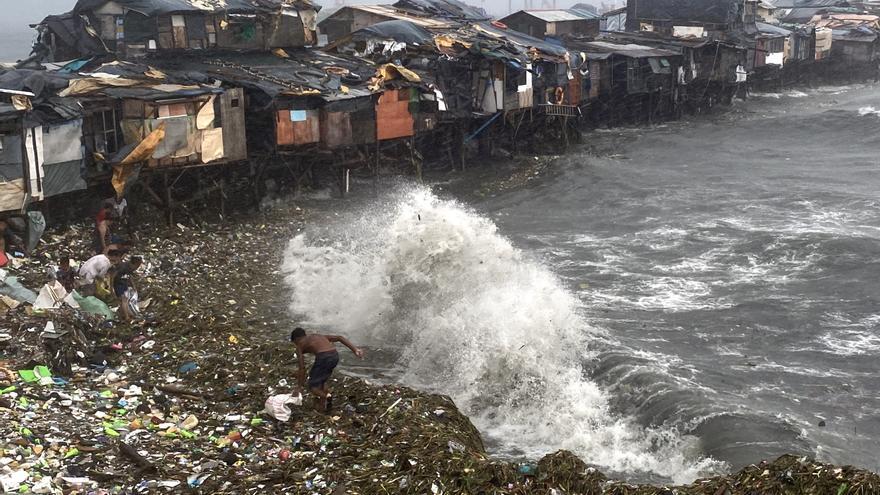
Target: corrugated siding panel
297, 133
574, 89
393, 119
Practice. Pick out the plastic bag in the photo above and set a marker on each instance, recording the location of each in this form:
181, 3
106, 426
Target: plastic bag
102, 289
15, 290
276, 406
93, 305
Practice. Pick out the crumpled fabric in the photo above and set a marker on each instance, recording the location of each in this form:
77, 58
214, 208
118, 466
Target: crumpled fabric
276, 406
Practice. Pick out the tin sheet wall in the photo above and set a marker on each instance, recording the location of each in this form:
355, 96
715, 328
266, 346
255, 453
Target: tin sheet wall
393, 118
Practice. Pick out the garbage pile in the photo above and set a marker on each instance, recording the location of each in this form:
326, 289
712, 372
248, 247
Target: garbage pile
199, 397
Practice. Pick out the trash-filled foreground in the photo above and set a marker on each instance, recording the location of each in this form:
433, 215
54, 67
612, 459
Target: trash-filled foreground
176, 403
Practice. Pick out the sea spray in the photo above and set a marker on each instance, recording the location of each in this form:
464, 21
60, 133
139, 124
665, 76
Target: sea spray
477, 319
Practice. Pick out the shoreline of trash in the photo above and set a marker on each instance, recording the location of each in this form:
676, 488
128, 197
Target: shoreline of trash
175, 403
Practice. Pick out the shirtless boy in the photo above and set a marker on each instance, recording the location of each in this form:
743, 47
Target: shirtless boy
326, 358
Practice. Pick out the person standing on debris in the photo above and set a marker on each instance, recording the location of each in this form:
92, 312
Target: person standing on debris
105, 240
124, 288
119, 206
326, 358
103, 222
97, 267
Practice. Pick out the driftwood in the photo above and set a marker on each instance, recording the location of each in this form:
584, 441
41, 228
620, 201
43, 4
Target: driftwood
132, 454
182, 392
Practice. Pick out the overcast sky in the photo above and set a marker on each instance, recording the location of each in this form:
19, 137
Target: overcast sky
30, 11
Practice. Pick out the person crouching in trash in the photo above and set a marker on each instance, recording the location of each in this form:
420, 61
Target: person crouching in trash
326, 358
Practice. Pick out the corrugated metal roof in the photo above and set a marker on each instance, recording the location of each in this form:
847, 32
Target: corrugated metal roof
770, 29
558, 15
392, 13
627, 50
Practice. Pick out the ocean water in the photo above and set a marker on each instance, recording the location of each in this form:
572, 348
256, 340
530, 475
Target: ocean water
698, 302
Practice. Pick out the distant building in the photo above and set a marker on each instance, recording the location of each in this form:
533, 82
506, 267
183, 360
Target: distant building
613, 20
714, 19
131, 28
542, 23
355, 17
427, 14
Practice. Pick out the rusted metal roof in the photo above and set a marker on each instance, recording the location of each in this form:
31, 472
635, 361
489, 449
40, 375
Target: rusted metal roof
160, 7
558, 15
393, 13
627, 50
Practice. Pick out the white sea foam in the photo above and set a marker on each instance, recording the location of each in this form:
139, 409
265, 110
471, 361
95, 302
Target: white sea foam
868, 111
478, 320
852, 342
776, 96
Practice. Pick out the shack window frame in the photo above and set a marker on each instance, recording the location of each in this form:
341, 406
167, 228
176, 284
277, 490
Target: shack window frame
106, 132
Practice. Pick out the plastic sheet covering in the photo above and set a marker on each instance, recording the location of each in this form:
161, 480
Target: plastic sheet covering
10, 287
93, 305
449, 9
131, 155
10, 157
93, 84
36, 227
212, 145
277, 406
62, 149
159, 7
53, 295
205, 116
397, 30
177, 130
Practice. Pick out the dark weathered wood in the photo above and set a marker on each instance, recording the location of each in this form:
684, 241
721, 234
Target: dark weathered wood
129, 452
233, 122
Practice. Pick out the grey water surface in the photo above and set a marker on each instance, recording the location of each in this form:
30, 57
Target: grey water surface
735, 262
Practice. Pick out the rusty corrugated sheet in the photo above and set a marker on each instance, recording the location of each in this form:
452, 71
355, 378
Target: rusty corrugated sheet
336, 129
289, 132
573, 93
393, 119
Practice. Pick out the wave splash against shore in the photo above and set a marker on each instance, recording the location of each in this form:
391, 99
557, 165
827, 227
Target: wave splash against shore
478, 320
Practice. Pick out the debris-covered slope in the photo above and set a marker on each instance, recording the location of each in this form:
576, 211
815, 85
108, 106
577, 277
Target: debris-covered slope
174, 404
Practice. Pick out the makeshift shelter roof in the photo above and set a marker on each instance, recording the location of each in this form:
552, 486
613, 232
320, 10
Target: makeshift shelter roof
655, 40
397, 30
160, 7
846, 21
771, 30
41, 83
521, 40
627, 50
70, 29
447, 9
692, 11
790, 4
8, 112
560, 15
396, 14
302, 74
862, 35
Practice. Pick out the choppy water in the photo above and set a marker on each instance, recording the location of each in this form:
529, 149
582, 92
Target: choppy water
694, 304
